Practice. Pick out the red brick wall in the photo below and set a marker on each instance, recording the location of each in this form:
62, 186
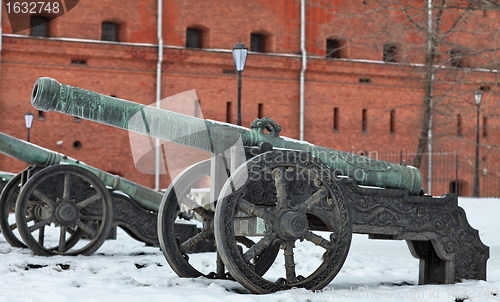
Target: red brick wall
129, 72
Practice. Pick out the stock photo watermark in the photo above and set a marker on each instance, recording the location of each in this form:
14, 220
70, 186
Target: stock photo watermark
414, 293
173, 158
24, 15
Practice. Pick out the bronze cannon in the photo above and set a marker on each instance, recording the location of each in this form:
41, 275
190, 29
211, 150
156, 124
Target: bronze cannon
283, 198
57, 190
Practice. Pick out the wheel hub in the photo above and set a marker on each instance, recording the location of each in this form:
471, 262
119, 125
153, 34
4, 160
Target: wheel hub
42, 213
66, 213
292, 225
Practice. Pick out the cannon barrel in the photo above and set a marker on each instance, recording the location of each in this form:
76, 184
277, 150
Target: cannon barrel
36, 155
50, 95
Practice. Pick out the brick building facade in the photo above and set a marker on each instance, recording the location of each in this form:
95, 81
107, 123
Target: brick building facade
363, 91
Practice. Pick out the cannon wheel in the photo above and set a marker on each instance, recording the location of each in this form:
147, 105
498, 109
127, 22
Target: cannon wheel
74, 201
8, 199
177, 252
7, 204
308, 198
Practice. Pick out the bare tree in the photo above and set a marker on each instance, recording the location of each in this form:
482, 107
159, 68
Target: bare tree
448, 42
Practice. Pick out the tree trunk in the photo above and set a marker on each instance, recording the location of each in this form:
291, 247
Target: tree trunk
430, 56
423, 139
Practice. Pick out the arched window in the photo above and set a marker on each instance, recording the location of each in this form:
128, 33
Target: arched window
457, 187
392, 121
39, 26
110, 31
390, 53
364, 120
194, 37
457, 58
259, 42
335, 48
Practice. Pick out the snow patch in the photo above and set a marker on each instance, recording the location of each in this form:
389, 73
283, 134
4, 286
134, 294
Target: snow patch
126, 270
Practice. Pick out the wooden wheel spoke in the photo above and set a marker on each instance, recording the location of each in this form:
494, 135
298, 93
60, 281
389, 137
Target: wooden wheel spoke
259, 247
198, 209
220, 268
247, 242
13, 226
313, 200
44, 198
206, 214
88, 201
291, 276
71, 231
39, 224
85, 228
252, 209
67, 187
319, 241
32, 203
279, 182
41, 235
187, 245
62, 240
91, 217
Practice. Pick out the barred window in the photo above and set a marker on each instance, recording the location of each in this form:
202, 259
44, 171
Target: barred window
110, 31
39, 26
258, 42
335, 48
390, 52
194, 37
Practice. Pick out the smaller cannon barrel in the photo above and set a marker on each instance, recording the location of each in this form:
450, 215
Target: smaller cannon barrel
36, 155
212, 136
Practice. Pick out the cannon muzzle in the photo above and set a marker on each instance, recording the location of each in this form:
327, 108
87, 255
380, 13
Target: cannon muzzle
46, 89
212, 136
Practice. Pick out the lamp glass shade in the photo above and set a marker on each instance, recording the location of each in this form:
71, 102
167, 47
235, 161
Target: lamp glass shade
240, 52
28, 118
478, 96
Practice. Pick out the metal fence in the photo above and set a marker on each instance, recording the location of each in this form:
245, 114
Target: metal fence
452, 172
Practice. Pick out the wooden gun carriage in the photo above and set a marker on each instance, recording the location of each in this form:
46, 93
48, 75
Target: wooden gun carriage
276, 197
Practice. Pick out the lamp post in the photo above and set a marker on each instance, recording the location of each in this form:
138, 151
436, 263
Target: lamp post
478, 96
28, 119
240, 52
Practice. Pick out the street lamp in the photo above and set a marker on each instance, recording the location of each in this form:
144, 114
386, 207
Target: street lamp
478, 96
240, 52
28, 119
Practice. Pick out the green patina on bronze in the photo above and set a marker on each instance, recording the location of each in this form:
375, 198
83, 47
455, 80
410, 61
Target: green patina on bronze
212, 136
36, 155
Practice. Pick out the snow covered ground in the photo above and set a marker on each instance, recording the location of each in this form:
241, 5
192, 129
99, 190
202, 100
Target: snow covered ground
126, 270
